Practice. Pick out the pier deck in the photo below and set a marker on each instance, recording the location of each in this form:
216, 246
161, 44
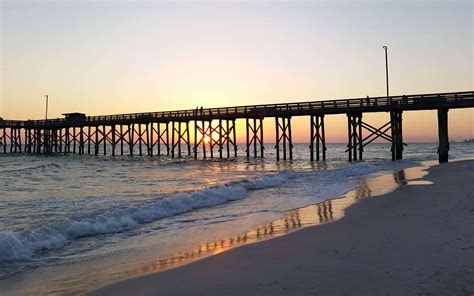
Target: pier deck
152, 130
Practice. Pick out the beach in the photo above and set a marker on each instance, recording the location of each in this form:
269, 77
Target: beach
417, 240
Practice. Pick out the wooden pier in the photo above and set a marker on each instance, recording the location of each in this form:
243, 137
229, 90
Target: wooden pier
159, 133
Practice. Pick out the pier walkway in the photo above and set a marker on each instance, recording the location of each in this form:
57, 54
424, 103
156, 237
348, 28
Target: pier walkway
168, 132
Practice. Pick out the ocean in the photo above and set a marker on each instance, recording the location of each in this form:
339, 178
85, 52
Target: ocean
69, 224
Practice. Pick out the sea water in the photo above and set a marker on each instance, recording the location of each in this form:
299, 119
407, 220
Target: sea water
61, 216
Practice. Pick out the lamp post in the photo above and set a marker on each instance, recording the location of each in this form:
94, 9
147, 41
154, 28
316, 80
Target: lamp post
47, 99
386, 67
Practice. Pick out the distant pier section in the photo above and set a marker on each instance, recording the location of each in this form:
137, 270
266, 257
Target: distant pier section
168, 133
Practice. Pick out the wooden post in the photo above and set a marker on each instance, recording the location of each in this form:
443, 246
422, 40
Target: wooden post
277, 146
204, 133
397, 134
317, 137
56, 143
104, 138
131, 140
234, 132
354, 136
12, 140
359, 138
227, 132
167, 139
147, 144
4, 141
158, 127
140, 139
60, 131
220, 138
211, 130
88, 139
179, 139
323, 138
113, 139
349, 127
172, 139
311, 137
66, 141
290, 138
81, 140
188, 139
74, 136
152, 141
121, 139
443, 146
195, 139
261, 138
28, 140
247, 143
284, 134
399, 144
318, 126
255, 130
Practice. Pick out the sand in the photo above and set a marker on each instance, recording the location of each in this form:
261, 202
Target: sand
417, 240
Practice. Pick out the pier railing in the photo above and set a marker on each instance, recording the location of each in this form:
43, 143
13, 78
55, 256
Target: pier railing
215, 128
340, 106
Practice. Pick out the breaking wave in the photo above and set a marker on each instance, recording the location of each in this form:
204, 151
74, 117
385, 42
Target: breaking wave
24, 245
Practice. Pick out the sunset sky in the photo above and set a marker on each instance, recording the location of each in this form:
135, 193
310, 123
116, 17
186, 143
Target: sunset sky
105, 57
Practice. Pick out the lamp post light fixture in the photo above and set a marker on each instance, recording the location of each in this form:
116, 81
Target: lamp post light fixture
386, 67
47, 99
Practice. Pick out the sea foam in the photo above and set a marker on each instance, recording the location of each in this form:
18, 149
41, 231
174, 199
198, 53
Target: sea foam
26, 244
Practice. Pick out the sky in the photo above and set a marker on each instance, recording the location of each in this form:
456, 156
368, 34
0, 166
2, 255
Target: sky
106, 57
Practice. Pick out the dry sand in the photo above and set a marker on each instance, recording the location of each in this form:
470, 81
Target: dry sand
417, 240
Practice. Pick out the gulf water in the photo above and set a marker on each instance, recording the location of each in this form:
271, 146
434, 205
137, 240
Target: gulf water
70, 212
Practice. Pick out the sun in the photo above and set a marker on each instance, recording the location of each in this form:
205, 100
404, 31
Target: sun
207, 139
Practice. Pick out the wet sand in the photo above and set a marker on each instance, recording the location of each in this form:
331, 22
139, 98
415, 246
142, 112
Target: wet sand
417, 240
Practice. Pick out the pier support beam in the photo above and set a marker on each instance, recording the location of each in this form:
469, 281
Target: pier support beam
443, 142
179, 135
395, 137
109, 137
3, 139
227, 137
39, 140
318, 137
355, 141
15, 140
254, 128
283, 136
202, 136
397, 134
100, 138
159, 135
131, 139
222, 135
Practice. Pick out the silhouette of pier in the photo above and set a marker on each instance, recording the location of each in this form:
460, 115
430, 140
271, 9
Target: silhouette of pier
158, 133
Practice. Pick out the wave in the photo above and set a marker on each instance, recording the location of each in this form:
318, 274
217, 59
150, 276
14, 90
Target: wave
17, 246
27, 244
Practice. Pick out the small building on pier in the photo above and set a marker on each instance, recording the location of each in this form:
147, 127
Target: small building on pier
75, 117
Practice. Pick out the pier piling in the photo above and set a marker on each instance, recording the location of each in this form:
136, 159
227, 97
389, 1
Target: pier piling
76, 130
443, 142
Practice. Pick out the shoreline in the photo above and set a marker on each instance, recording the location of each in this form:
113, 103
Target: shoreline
144, 280
89, 276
